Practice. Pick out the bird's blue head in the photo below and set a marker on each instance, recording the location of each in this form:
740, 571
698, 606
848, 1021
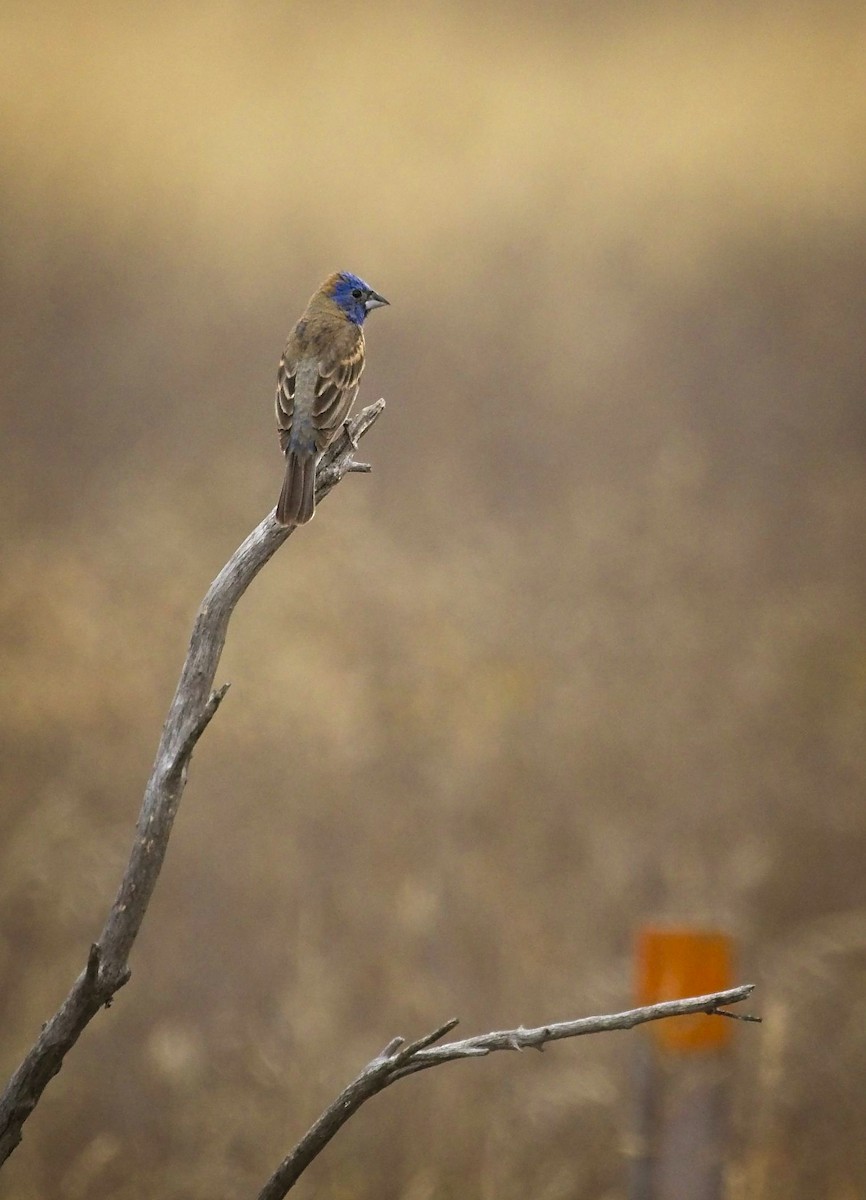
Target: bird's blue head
355, 297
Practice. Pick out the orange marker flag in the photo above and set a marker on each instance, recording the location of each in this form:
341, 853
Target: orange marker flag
675, 963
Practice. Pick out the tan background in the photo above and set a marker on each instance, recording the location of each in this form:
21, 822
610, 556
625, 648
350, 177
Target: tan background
586, 650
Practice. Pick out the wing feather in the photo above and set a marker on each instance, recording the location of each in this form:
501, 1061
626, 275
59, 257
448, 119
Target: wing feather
336, 389
315, 395
285, 403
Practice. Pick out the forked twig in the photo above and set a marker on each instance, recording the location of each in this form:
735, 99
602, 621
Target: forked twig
398, 1060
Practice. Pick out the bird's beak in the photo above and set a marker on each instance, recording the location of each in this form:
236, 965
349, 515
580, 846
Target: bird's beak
374, 300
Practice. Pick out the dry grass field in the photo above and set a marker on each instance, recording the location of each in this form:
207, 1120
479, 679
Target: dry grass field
586, 650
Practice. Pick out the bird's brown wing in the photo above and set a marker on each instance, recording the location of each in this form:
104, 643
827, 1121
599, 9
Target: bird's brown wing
336, 389
285, 402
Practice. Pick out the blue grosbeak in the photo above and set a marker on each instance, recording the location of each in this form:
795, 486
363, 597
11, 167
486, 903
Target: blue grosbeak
317, 384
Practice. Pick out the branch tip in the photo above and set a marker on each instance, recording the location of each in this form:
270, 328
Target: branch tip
428, 1039
723, 1012
392, 1047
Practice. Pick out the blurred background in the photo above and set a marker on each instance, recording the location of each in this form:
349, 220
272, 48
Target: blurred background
586, 650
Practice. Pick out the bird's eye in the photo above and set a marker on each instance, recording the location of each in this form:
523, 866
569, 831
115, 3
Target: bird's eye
357, 293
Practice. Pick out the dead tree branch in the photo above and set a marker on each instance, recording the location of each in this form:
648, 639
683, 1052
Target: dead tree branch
192, 708
400, 1059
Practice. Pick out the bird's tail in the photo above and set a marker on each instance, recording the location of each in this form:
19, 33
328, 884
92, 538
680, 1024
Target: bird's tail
297, 501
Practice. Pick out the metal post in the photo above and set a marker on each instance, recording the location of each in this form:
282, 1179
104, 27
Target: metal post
681, 1070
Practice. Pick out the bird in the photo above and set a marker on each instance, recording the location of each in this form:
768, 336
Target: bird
317, 383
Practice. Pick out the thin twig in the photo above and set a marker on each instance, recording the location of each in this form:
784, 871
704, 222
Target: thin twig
192, 708
720, 1012
398, 1060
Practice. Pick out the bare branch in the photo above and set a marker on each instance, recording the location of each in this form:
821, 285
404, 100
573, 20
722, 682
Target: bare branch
191, 710
398, 1060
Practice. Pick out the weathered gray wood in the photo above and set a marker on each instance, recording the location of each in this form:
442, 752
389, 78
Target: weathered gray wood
398, 1060
194, 705
191, 711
